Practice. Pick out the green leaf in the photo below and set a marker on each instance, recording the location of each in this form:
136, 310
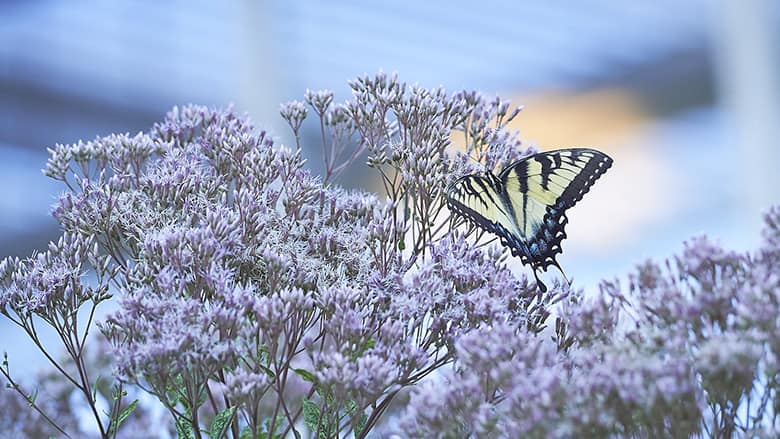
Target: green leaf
174, 399
184, 429
351, 408
306, 375
370, 343
221, 422
246, 433
263, 352
95, 388
311, 417
311, 414
401, 245
361, 423
123, 415
358, 424
268, 371
31, 398
117, 395
173, 392
277, 426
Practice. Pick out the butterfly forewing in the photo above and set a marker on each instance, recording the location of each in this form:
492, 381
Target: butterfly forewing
540, 188
559, 177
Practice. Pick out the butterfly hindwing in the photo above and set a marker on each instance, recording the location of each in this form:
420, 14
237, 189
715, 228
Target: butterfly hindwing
479, 200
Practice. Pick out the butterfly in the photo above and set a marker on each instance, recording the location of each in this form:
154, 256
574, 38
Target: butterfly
525, 205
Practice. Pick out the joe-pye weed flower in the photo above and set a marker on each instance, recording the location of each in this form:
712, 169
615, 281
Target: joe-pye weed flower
255, 299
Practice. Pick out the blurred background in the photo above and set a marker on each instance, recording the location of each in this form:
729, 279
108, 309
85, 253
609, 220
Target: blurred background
685, 95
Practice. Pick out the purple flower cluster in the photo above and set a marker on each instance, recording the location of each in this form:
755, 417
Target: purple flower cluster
49, 285
254, 298
688, 349
249, 289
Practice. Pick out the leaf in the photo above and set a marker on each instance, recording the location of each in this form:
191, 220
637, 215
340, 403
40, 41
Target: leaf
221, 422
277, 426
370, 343
311, 414
351, 408
263, 352
117, 394
306, 375
173, 392
246, 433
184, 429
268, 371
123, 415
31, 398
173, 396
358, 424
361, 423
95, 388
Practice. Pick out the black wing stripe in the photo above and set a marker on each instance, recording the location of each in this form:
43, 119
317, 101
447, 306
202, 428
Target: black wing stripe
557, 160
546, 165
520, 172
476, 218
485, 191
525, 213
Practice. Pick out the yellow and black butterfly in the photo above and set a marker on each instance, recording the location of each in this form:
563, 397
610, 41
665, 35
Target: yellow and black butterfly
525, 205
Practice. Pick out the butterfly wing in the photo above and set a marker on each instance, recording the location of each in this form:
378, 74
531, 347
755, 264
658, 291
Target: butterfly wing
539, 189
481, 201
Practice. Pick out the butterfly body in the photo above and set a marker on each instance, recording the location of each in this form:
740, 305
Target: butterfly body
525, 204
